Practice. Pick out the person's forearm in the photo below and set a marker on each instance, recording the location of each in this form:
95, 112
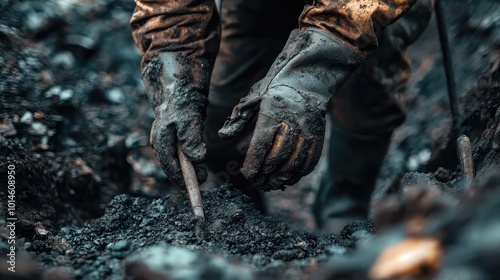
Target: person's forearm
190, 27
358, 22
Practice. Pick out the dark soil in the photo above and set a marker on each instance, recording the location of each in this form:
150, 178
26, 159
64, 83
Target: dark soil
92, 203
233, 226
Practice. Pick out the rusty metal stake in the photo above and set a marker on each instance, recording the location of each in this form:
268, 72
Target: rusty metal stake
464, 148
466, 160
189, 175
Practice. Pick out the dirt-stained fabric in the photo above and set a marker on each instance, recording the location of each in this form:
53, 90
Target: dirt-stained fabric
359, 22
372, 100
190, 27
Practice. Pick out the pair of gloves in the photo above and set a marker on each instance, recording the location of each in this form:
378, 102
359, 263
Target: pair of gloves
179, 40
290, 104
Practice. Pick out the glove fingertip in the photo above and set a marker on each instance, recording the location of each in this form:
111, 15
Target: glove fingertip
201, 173
195, 154
231, 128
242, 114
276, 183
173, 172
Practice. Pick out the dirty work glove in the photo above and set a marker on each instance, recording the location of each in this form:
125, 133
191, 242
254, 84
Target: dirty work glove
291, 104
176, 91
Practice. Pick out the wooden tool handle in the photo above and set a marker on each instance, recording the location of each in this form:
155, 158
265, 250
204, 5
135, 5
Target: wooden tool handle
189, 175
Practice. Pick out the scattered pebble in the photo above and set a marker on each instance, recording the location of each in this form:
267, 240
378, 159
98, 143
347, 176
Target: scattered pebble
27, 118
40, 230
38, 129
336, 250
66, 95
115, 96
121, 245
7, 128
64, 59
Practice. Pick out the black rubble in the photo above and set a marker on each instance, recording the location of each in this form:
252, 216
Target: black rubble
92, 203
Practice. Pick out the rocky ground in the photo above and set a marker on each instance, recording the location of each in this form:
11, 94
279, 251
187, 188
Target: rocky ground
91, 202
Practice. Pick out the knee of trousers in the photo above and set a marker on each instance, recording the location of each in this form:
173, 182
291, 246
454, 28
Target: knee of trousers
253, 33
372, 100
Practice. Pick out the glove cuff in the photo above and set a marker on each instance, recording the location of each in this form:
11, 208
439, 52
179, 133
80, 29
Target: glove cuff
313, 62
174, 80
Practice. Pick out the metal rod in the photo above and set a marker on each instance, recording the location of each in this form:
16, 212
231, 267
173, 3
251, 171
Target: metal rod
464, 148
448, 69
466, 160
189, 175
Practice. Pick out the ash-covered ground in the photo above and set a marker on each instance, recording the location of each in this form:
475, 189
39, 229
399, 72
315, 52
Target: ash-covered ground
91, 202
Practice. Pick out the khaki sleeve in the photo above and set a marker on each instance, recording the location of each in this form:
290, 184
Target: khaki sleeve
358, 22
190, 27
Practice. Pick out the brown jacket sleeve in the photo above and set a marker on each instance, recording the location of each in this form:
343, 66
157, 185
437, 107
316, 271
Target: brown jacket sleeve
358, 22
190, 27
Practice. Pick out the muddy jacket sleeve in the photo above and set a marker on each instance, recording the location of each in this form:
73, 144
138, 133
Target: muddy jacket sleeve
358, 22
190, 27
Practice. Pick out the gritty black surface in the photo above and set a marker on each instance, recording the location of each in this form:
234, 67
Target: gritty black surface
74, 120
232, 226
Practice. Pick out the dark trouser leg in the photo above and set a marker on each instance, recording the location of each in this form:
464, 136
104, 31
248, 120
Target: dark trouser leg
365, 112
253, 34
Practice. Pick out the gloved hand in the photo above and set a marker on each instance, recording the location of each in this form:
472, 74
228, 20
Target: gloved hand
291, 103
177, 93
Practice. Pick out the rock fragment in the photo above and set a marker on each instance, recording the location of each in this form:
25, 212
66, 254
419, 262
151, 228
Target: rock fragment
115, 96
121, 245
173, 263
7, 128
41, 231
27, 118
37, 129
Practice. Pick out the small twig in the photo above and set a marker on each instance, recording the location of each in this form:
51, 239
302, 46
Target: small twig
466, 160
189, 175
